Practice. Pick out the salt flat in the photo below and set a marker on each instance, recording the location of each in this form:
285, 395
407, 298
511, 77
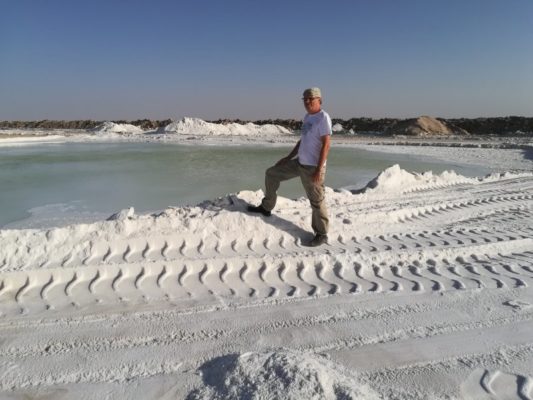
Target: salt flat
424, 291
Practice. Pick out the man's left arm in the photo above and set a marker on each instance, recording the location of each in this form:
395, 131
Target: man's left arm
323, 157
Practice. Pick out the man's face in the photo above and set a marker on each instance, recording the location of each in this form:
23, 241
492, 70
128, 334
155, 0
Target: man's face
312, 104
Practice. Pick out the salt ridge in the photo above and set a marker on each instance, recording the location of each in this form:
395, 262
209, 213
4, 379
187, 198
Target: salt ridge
397, 180
113, 128
196, 126
392, 182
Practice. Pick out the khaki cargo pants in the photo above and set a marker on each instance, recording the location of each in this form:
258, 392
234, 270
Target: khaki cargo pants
315, 193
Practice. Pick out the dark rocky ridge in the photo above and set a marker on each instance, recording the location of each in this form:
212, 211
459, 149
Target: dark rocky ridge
494, 126
146, 124
502, 126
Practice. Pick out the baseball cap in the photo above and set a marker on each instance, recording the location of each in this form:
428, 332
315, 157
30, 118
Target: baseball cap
312, 92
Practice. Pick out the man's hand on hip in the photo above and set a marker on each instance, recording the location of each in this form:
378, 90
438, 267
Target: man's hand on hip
316, 176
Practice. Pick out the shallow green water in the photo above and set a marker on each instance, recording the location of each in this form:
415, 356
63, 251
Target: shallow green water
96, 179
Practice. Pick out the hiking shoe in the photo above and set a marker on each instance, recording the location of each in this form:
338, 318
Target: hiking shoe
318, 240
259, 209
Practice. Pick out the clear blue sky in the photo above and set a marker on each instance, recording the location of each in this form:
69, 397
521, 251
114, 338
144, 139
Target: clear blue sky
95, 59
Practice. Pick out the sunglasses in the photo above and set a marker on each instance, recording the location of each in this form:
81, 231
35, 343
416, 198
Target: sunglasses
309, 99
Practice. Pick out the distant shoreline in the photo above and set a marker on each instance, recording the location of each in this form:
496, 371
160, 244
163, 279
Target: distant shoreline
511, 125
516, 142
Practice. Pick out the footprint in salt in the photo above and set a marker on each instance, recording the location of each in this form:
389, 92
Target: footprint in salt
518, 305
483, 384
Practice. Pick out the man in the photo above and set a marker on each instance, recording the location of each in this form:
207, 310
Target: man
312, 150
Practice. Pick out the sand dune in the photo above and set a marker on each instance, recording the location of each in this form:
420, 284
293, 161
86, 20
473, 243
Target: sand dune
423, 291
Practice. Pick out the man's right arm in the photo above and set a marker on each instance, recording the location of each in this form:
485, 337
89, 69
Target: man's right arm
291, 155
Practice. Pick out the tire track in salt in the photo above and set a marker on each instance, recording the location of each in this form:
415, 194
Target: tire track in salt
467, 267
448, 209
173, 247
175, 268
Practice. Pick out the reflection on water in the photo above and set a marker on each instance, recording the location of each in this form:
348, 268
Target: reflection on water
92, 180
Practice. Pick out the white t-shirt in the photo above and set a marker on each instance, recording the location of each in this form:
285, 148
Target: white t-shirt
314, 126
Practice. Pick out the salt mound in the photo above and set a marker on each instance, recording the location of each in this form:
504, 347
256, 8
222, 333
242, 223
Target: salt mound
197, 126
424, 126
337, 128
111, 127
396, 180
278, 375
122, 215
